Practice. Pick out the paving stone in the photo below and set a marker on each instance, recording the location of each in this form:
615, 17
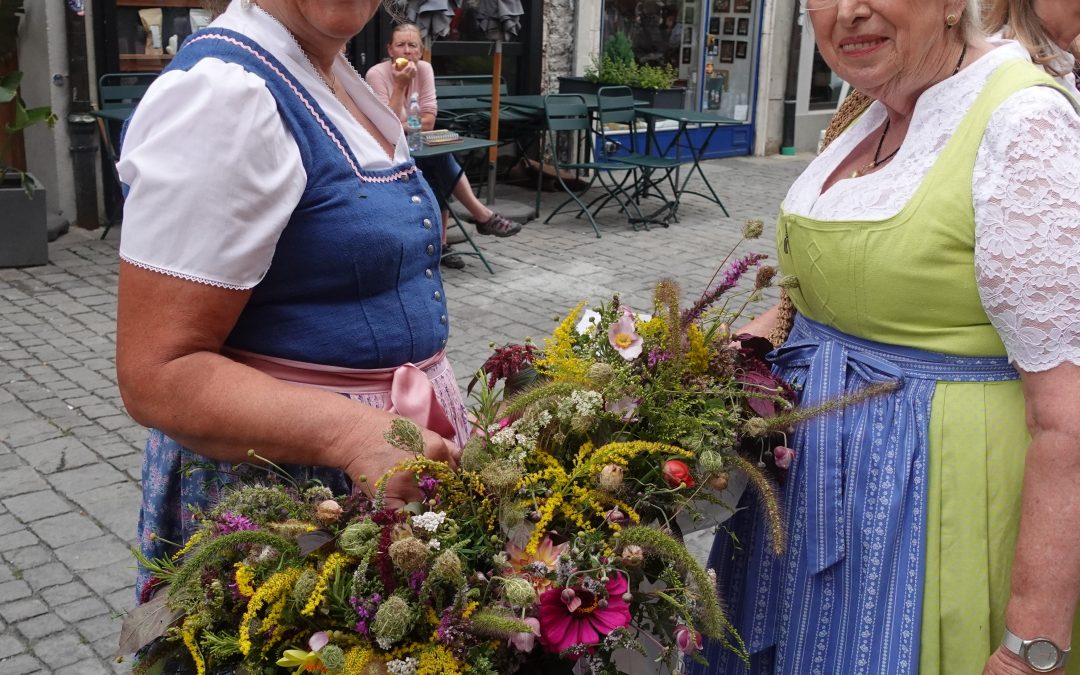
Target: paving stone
52, 574
20, 480
23, 664
22, 609
9, 524
40, 626
10, 591
101, 627
93, 554
29, 557
80, 610
61, 595
111, 505
17, 540
10, 646
67, 528
110, 578
72, 483
37, 505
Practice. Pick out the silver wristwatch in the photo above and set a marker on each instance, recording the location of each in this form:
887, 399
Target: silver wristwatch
1041, 654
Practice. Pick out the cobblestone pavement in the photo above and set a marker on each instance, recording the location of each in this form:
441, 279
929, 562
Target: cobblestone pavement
70, 456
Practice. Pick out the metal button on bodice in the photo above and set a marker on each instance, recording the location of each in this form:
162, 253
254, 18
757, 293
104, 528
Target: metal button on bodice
442, 319
415, 199
427, 223
430, 249
437, 295
405, 177
428, 273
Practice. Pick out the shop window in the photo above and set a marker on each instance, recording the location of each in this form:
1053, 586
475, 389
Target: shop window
824, 85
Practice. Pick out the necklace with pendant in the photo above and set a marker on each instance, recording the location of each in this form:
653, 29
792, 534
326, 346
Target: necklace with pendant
878, 159
318, 73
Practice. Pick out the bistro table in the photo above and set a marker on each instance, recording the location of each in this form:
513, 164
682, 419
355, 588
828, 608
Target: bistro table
682, 139
465, 144
533, 103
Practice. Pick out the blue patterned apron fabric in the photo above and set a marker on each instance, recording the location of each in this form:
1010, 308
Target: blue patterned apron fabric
846, 597
354, 283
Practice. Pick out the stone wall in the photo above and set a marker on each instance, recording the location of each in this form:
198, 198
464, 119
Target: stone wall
558, 47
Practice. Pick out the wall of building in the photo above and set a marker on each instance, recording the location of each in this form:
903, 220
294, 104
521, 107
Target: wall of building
43, 54
559, 41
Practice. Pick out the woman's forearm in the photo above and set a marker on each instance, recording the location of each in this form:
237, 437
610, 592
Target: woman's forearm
1046, 568
761, 325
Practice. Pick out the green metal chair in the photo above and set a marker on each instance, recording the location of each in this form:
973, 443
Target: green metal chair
118, 94
615, 108
567, 116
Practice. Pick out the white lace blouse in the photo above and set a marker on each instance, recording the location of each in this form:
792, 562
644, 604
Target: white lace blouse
213, 171
1026, 190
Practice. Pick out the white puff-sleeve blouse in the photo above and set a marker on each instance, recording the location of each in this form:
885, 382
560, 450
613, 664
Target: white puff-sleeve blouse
212, 171
1026, 193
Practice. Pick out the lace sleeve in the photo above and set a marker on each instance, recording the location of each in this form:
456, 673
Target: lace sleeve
1026, 188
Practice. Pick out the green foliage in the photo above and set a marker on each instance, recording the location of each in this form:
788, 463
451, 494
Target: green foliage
608, 70
11, 12
618, 49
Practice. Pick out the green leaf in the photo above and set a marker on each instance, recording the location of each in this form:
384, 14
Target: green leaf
28, 117
9, 84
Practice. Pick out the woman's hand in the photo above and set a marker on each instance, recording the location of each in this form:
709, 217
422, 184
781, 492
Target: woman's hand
1004, 662
373, 457
404, 75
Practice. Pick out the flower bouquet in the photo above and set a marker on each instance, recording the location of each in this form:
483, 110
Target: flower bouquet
554, 544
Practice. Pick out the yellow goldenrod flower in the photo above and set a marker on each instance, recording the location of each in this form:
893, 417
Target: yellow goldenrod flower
188, 634
272, 589
333, 562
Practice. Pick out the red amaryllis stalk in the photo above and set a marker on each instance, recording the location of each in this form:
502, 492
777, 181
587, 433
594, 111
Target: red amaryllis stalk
575, 617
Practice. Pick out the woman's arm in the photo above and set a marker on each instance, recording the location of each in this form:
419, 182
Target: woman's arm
172, 378
1046, 569
763, 324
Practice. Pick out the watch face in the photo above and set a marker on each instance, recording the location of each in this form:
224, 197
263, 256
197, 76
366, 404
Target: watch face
1042, 654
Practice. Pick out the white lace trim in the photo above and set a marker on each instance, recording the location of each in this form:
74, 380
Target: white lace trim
1026, 193
180, 275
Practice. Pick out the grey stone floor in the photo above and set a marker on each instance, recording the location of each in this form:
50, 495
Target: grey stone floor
70, 456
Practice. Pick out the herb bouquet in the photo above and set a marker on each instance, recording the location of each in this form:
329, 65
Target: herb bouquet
554, 544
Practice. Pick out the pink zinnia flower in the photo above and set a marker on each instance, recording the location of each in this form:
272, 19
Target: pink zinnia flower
622, 337
575, 617
783, 456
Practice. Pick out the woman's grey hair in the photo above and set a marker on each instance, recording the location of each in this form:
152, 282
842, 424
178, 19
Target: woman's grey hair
971, 25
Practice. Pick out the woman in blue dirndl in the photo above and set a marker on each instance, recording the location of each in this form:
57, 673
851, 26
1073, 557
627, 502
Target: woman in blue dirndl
279, 286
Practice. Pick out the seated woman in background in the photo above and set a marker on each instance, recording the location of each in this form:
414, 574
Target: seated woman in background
395, 86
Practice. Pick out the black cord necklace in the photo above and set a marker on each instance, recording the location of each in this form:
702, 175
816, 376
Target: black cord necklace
878, 159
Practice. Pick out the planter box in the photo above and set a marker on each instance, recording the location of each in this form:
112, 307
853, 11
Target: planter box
674, 97
24, 233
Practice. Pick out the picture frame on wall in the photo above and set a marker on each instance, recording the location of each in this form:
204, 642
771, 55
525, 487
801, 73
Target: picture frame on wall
689, 15
744, 26
743, 6
729, 25
727, 51
723, 6
740, 49
687, 37
726, 76
686, 55
714, 25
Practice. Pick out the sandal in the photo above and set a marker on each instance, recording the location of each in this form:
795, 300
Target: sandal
451, 259
500, 226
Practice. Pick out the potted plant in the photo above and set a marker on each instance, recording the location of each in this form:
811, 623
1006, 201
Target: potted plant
24, 233
617, 66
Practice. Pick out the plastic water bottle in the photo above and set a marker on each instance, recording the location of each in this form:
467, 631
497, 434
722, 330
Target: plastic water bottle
413, 125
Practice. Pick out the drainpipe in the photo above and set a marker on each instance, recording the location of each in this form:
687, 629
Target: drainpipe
82, 127
791, 87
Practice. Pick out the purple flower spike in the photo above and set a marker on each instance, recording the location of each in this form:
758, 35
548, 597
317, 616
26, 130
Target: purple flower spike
231, 522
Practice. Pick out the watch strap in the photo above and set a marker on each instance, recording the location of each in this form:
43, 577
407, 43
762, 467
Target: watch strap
1017, 645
